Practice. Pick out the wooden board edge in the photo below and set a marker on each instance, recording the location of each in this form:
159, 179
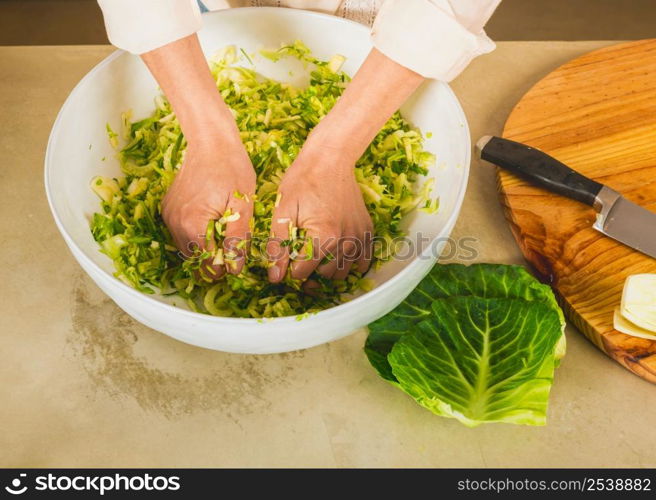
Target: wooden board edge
642, 367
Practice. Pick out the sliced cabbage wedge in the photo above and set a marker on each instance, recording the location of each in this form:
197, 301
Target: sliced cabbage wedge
639, 301
623, 325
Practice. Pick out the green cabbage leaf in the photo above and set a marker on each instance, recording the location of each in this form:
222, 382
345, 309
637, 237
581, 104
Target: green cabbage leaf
477, 343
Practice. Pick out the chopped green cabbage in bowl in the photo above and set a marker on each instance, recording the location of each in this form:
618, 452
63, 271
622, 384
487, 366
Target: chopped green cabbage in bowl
274, 119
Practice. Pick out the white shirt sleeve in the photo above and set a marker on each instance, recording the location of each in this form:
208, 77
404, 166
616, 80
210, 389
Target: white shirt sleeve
140, 26
435, 38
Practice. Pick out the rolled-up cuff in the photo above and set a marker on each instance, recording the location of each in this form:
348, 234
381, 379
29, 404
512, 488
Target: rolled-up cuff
144, 25
427, 39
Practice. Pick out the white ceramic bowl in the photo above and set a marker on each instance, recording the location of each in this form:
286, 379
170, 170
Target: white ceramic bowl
78, 142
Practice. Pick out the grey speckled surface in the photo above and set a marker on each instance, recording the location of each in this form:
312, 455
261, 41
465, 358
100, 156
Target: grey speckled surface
82, 384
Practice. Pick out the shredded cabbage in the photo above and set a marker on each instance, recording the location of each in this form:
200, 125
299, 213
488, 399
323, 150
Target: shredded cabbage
274, 119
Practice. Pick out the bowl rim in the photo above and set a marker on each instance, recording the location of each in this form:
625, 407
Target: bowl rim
341, 308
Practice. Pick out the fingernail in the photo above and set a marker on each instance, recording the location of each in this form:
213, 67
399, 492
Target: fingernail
274, 250
231, 243
235, 265
274, 273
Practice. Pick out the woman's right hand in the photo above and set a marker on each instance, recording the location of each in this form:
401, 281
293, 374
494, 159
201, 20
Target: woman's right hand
216, 170
216, 175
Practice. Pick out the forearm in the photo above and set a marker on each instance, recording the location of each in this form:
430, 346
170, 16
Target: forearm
182, 72
378, 89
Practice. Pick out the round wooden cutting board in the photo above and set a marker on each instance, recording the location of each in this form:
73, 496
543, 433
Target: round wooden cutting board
596, 114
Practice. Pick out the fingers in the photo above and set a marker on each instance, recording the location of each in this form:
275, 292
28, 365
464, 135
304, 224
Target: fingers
237, 218
338, 264
363, 260
328, 267
343, 270
332, 256
348, 254
351, 253
312, 287
283, 220
209, 269
321, 243
194, 238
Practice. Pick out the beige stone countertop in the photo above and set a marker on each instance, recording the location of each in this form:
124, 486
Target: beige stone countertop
84, 385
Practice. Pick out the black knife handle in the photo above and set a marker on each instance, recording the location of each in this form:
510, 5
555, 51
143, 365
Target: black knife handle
539, 168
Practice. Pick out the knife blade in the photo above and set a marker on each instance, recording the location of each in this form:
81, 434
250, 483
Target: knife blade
617, 217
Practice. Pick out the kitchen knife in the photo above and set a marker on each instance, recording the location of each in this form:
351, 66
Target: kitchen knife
617, 217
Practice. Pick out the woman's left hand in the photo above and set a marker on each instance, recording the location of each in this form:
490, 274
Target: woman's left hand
319, 193
319, 190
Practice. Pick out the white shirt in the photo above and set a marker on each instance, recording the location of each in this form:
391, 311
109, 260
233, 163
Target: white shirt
435, 38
